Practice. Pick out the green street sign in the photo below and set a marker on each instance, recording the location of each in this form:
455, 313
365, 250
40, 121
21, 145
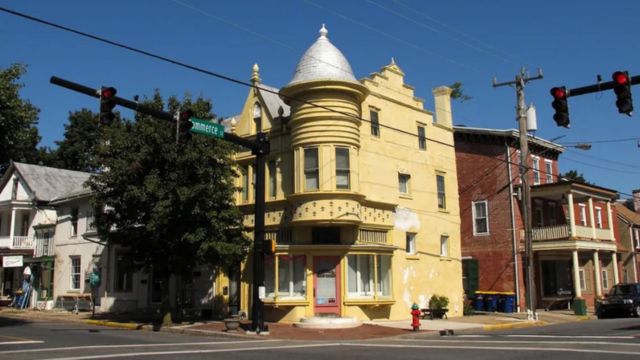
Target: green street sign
206, 127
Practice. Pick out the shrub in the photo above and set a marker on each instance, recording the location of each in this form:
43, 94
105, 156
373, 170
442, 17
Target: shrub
438, 302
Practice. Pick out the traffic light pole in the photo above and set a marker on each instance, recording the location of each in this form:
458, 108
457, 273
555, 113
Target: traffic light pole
598, 87
521, 112
260, 148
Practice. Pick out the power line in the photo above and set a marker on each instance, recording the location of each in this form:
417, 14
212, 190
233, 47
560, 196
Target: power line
207, 72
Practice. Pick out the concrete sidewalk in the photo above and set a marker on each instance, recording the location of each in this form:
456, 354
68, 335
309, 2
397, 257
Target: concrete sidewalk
369, 330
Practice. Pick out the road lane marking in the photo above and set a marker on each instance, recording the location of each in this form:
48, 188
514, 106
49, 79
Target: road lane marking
88, 347
496, 348
520, 342
573, 336
20, 342
185, 352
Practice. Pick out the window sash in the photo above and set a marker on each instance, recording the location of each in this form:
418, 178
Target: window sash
605, 279
342, 168
549, 170
583, 281
75, 273
598, 218
410, 243
444, 245
442, 199
311, 173
375, 124
536, 171
360, 275
291, 279
383, 280
583, 214
403, 183
480, 217
422, 138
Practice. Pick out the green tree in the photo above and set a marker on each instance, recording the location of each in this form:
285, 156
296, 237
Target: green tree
172, 205
458, 92
18, 119
78, 149
574, 175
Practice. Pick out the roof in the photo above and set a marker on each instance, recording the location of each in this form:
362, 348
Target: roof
323, 61
273, 101
48, 183
507, 133
627, 213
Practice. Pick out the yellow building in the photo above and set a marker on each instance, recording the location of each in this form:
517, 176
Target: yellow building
361, 194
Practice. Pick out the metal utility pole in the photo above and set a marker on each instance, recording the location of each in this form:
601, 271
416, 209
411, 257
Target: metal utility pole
521, 114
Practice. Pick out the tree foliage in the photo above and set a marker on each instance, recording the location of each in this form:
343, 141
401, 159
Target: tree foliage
77, 151
574, 175
18, 119
458, 92
172, 205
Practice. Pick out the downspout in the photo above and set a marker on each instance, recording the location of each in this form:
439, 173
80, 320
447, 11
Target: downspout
516, 273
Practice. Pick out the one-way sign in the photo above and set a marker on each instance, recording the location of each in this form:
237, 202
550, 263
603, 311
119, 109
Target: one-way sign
206, 127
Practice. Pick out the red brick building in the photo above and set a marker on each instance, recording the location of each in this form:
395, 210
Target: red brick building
573, 236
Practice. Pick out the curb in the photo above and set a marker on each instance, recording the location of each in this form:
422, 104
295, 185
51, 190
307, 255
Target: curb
515, 325
129, 326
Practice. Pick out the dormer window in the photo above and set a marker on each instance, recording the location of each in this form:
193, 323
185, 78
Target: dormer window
257, 117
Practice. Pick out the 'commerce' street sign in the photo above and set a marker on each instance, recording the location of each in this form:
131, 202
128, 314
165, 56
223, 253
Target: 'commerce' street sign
206, 127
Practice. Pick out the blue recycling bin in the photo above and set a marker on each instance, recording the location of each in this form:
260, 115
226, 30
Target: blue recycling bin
509, 302
491, 302
478, 303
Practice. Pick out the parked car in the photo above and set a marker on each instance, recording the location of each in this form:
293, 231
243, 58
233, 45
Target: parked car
622, 300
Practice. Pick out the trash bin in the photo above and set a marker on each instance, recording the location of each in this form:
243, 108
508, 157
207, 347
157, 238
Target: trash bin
501, 303
579, 306
478, 303
491, 301
508, 302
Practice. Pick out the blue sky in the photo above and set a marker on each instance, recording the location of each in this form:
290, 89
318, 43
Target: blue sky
435, 43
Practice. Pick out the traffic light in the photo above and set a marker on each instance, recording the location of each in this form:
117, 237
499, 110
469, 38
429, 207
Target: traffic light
622, 88
107, 104
269, 247
185, 124
560, 105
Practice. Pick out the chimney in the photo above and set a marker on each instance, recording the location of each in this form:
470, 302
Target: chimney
636, 200
442, 97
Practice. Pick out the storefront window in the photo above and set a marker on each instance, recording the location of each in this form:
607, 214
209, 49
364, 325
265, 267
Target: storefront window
361, 277
291, 276
383, 269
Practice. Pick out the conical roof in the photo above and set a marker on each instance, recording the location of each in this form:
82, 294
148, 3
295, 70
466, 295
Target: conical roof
323, 61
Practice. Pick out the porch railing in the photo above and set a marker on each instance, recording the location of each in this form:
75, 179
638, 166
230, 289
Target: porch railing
22, 242
550, 233
44, 246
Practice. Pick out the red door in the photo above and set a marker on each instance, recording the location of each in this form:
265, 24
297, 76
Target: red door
326, 284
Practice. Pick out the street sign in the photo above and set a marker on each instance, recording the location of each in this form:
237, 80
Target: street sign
206, 127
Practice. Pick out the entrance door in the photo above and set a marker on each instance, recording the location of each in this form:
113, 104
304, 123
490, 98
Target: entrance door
326, 285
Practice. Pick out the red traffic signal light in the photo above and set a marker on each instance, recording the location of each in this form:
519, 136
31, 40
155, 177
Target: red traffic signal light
107, 103
185, 124
561, 106
622, 88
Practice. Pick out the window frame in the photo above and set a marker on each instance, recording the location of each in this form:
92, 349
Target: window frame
548, 167
273, 179
475, 217
410, 243
364, 288
598, 216
582, 210
343, 171
378, 280
422, 137
441, 192
375, 122
291, 275
76, 272
311, 171
444, 245
605, 278
407, 184
583, 279
244, 183
535, 165
74, 214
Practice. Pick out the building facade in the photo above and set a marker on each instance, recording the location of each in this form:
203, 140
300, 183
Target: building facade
361, 193
573, 234
629, 233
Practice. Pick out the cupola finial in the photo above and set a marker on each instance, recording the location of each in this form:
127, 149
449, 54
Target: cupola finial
323, 32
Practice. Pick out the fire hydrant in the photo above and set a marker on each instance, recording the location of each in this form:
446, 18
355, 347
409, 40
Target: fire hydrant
415, 317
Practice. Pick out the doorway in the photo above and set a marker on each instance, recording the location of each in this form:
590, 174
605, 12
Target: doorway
326, 285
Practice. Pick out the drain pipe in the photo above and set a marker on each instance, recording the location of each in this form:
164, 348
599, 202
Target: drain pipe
516, 273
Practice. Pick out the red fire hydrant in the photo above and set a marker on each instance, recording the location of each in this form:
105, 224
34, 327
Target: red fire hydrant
415, 317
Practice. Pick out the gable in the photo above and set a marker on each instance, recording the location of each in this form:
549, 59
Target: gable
22, 190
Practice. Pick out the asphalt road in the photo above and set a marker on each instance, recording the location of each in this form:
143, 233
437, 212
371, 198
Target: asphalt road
596, 339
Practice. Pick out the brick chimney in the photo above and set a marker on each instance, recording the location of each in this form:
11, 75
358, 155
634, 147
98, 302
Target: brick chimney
636, 200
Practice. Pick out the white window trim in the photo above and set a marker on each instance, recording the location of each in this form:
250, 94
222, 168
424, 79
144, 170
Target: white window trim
444, 245
79, 273
535, 164
291, 294
360, 293
548, 168
473, 217
583, 214
605, 279
598, 211
583, 279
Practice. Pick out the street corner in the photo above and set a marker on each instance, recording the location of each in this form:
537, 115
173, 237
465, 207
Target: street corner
514, 325
115, 324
